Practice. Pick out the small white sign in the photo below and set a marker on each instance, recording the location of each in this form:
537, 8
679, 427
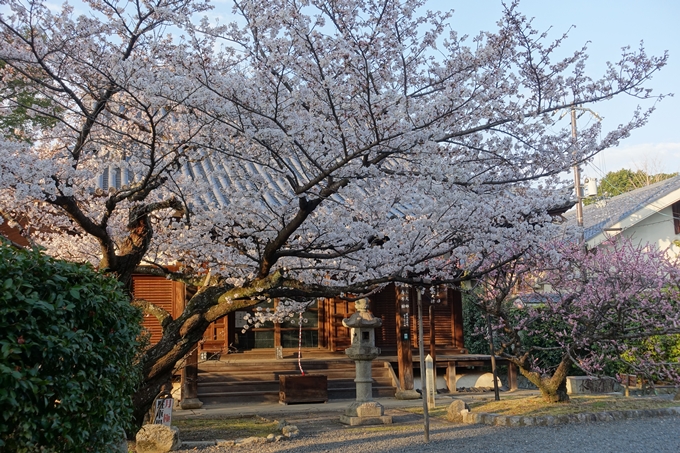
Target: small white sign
163, 411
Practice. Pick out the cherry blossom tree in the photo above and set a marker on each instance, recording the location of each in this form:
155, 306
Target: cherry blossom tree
308, 149
602, 306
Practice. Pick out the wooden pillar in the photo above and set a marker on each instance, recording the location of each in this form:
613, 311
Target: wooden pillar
512, 376
433, 352
404, 355
451, 377
189, 385
456, 304
277, 332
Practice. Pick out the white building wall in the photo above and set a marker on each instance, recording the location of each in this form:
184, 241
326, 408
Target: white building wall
656, 229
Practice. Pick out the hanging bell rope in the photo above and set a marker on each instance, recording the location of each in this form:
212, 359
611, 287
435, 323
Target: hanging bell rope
300, 346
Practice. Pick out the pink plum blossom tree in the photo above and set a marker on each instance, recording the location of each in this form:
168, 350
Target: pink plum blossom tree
602, 305
307, 149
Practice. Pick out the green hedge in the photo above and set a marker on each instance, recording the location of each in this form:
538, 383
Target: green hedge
68, 342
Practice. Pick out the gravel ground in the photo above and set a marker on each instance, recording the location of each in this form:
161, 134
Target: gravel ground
321, 434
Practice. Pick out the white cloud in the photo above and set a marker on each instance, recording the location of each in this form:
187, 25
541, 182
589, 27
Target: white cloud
651, 157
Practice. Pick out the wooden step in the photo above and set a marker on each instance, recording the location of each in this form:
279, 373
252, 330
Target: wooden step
222, 382
209, 398
211, 366
380, 373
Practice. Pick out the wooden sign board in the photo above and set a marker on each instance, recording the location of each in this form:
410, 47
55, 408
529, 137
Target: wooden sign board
163, 411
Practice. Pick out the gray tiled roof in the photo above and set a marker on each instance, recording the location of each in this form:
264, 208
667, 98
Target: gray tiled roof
605, 213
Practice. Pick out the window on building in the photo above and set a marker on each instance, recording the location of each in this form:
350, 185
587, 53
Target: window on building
676, 216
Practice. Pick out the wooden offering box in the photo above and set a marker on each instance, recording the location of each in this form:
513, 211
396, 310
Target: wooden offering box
310, 388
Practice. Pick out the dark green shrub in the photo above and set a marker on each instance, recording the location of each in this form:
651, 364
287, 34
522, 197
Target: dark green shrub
68, 340
474, 326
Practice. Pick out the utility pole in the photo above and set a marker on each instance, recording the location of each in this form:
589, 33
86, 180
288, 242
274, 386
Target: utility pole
577, 171
577, 176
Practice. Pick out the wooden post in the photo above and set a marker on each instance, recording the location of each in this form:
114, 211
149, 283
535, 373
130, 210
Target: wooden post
431, 377
456, 304
431, 314
189, 385
423, 381
493, 359
404, 354
451, 377
512, 376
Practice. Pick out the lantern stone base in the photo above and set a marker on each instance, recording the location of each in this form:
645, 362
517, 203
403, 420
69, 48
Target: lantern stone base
407, 395
365, 413
190, 403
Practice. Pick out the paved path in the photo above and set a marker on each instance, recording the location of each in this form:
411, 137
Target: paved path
321, 432
647, 435
338, 406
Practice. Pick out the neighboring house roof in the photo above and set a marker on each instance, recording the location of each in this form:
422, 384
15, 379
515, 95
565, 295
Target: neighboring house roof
606, 218
526, 299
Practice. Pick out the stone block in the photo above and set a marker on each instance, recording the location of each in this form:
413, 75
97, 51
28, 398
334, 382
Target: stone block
604, 417
474, 418
371, 409
187, 445
290, 431
358, 421
365, 409
249, 441
281, 424
453, 411
157, 439
501, 420
590, 384
528, 421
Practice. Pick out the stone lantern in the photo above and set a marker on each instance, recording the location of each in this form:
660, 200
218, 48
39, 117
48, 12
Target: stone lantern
364, 410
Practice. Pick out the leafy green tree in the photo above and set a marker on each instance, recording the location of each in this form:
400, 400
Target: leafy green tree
68, 342
22, 109
621, 181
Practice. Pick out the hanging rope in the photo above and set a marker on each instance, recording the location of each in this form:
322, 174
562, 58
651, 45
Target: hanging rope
300, 346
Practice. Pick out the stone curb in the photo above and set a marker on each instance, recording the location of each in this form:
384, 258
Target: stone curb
294, 432
472, 418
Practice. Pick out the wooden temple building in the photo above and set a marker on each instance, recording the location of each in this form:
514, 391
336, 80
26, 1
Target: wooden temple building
237, 364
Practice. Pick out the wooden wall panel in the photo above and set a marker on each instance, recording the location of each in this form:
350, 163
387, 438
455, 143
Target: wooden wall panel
384, 306
337, 335
448, 317
171, 296
160, 292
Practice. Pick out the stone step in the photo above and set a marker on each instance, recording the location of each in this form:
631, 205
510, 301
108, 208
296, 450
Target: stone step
269, 396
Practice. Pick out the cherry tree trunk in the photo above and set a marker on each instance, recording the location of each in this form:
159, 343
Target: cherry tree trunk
180, 337
553, 388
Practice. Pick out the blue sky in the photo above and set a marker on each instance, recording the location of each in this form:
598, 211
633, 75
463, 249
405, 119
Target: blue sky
608, 25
